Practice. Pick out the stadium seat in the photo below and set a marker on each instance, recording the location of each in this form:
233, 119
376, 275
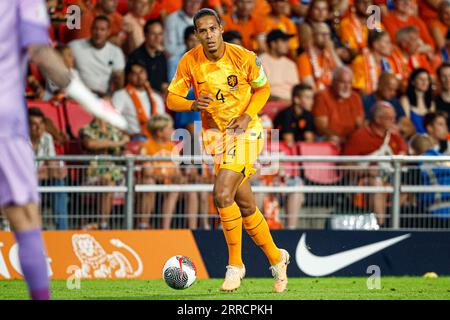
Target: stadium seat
290, 169
273, 107
76, 117
323, 175
51, 110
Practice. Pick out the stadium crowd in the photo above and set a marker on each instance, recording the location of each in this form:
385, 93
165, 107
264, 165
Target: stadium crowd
338, 75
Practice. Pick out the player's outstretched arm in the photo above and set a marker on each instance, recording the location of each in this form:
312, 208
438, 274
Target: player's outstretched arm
180, 104
53, 68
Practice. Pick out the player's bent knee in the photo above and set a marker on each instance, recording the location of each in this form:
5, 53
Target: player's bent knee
223, 198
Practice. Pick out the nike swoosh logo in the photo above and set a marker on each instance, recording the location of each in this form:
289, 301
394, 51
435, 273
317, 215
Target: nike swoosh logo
201, 82
317, 266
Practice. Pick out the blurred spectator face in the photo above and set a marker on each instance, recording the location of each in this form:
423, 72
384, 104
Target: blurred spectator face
209, 33
404, 6
388, 87
108, 6
191, 7
361, 7
139, 7
280, 47
321, 35
342, 83
385, 117
166, 133
280, 7
444, 78
37, 127
438, 129
444, 15
304, 99
100, 33
411, 43
192, 42
319, 11
244, 7
137, 76
383, 45
422, 82
154, 36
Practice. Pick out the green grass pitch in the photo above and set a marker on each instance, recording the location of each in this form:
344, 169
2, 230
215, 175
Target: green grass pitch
298, 289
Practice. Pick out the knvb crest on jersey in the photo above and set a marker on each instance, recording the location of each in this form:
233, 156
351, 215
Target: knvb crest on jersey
232, 82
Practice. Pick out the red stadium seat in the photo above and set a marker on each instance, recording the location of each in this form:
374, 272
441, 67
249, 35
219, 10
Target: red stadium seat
290, 169
51, 111
76, 117
273, 107
323, 175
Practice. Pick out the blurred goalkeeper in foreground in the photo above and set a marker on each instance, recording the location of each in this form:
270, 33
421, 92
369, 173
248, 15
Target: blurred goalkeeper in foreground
231, 88
24, 33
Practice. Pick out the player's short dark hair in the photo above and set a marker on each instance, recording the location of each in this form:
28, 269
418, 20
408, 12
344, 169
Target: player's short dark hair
35, 112
206, 12
101, 18
299, 88
151, 22
442, 67
190, 30
431, 117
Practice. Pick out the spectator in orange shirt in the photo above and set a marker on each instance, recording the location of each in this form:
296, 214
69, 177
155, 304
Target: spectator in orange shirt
439, 27
372, 62
353, 30
248, 23
159, 172
407, 56
337, 110
378, 138
278, 19
103, 8
315, 66
428, 9
162, 8
281, 71
402, 17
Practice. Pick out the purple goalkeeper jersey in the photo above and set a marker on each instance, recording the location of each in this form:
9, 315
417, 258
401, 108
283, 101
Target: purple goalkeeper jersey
22, 23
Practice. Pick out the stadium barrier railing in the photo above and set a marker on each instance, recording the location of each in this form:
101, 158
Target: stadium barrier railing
294, 192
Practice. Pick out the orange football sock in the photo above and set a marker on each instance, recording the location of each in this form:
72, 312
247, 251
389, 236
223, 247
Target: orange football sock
232, 229
258, 230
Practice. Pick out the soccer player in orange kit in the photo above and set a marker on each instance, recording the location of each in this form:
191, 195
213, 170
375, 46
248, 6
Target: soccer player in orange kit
231, 88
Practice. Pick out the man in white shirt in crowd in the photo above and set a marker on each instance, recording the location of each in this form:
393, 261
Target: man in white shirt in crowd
137, 102
99, 62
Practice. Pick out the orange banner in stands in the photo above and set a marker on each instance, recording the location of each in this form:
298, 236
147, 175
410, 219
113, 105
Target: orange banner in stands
105, 254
